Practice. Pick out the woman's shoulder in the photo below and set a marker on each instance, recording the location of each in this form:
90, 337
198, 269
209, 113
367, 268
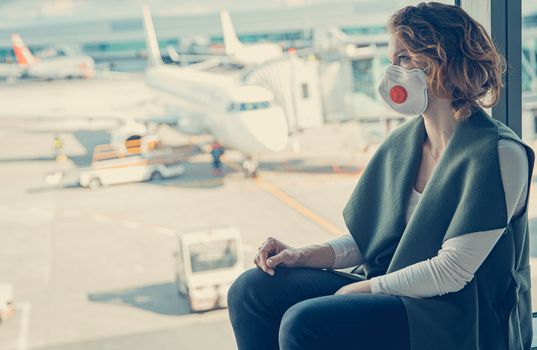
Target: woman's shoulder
513, 153
515, 150
511, 146
509, 143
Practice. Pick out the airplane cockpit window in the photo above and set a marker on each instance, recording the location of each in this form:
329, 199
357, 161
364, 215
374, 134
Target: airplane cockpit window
254, 105
248, 106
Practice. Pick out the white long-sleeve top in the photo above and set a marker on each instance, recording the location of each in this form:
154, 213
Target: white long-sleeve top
459, 257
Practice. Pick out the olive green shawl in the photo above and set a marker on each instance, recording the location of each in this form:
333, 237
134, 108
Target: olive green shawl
464, 194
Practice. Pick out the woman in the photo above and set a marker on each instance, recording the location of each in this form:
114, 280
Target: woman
437, 222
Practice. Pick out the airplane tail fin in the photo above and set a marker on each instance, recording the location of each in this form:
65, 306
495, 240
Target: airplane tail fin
22, 53
153, 51
231, 41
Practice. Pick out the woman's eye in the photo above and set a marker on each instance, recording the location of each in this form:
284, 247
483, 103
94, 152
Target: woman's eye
403, 59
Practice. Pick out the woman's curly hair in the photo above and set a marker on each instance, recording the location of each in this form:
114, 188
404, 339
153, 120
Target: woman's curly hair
455, 51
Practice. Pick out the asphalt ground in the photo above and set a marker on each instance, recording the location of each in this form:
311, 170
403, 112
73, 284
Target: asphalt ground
95, 269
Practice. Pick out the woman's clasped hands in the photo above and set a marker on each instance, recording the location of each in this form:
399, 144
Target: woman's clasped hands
274, 252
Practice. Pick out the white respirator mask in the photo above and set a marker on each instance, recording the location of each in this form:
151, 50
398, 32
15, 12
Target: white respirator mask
405, 91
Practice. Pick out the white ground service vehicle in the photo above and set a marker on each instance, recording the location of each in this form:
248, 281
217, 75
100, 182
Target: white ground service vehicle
141, 160
207, 262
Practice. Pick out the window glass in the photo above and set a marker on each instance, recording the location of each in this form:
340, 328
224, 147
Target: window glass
529, 115
89, 254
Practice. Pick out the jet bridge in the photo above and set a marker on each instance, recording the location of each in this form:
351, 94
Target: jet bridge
295, 85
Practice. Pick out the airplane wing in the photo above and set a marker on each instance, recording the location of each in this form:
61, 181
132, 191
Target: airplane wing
196, 61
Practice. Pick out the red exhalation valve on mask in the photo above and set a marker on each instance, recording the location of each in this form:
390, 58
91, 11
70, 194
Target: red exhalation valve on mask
398, 94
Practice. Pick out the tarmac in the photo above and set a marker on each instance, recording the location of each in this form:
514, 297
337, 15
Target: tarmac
94, 269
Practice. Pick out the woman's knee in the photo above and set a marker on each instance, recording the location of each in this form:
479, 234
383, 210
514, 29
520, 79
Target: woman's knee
247, 287
299, 326
257, 285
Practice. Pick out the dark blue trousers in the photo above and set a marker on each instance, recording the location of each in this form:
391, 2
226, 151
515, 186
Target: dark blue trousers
297, 309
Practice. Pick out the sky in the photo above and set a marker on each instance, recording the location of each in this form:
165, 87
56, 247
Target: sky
16, 13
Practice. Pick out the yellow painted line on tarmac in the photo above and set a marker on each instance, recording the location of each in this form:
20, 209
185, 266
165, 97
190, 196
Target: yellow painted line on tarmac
292, 203
336, 170
297, 206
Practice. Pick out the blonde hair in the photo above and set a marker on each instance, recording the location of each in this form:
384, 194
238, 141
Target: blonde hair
456, 52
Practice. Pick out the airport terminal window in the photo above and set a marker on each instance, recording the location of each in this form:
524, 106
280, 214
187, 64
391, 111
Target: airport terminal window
364, 30
530, 20
127, 25
252, 38
529, 57
276, 37
362, 72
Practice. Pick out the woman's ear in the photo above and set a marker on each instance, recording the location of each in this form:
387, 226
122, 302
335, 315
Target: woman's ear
444, 91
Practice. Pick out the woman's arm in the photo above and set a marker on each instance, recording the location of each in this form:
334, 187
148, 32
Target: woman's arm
447, 272
316, 255
347, 253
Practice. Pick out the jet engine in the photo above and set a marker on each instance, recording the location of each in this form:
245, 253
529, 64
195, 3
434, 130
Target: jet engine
128, 137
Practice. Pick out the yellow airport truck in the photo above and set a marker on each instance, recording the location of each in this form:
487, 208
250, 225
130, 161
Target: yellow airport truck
141, 160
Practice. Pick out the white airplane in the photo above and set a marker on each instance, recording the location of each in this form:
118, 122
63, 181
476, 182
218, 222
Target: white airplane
246, 54
60, 67
234, 50
241, 117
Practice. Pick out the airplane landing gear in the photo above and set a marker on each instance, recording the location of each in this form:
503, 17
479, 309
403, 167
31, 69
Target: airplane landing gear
250, 166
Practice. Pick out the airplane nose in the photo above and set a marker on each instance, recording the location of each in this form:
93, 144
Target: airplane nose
268, 127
